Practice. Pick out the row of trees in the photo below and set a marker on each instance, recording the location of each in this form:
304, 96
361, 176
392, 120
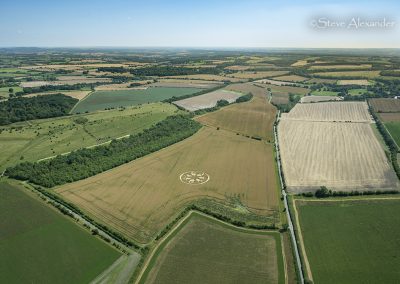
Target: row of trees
389, 142
21, 109
84, 163
324, 192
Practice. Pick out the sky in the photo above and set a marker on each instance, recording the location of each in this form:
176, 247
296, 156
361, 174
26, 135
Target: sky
205, 23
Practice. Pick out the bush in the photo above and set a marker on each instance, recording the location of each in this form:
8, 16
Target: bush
322, 192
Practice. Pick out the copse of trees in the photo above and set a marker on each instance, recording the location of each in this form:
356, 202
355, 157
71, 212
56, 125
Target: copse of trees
46, 88
244, 98
113, 69
84, 163
293, 100
21, 109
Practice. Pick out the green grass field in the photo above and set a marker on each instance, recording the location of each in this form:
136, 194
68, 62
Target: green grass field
101, 100
352, 241
204, 250
38, 139
394, 129
4, 91
324, 93
39, 245
357, 92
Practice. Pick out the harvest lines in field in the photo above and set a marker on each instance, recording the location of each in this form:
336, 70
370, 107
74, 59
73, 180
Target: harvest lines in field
321, 145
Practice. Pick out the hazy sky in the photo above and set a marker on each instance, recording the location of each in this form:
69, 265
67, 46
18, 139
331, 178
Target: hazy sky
205, 23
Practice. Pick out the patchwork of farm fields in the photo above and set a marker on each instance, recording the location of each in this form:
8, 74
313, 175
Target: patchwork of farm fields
100, 100
316, 151
208, 251
141, 197
254, 118
208, 100
39, 245
349, 241
38, 139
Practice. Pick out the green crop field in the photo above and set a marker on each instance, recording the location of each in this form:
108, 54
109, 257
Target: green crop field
101, 100
38, 139
357, 92
324, 93
39, 245
204, 250
352, 241
394, 130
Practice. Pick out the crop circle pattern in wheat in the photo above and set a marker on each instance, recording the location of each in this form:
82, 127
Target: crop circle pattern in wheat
194, 177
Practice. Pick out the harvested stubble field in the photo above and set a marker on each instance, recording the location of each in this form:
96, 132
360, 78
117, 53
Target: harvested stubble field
350, 67
385, 105
343, 155
140, 198
257, 74
207, 77
254, 118
39, 245
288, 89
320, 80
354, 82
330, 111
355, 247
207, 251
65, 80
291, 78
38, 139
344, 74
208, 100
315, 99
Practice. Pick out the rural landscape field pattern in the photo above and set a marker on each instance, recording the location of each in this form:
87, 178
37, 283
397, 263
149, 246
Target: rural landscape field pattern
132, 166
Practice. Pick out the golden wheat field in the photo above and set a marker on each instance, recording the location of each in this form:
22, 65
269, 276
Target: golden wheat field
141, 197
252, 118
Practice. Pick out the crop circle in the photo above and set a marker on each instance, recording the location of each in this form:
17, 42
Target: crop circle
194, 177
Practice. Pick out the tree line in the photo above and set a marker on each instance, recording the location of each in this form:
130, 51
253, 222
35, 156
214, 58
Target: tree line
84, 163
21, 109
